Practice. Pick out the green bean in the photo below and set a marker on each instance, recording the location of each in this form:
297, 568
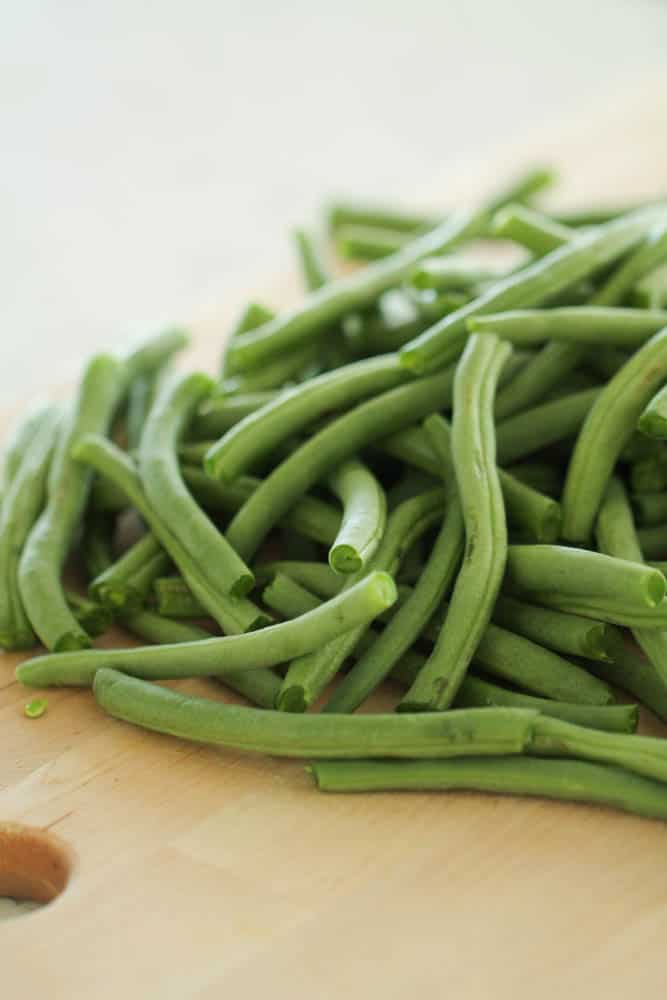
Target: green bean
368, 243
643, 755
68, 487
653, 419
251, 316
570, 780
627, 615
542, 476
478, 582
594, 325
581, 258
606, 429
276, 372
316, 577
220, 656
534, 429
20, 435
312, 266
139, 398
324, 450
308, 675
220, 413
561, 632
92, 617
258, 434
585, 576
604, 213
388, 328
451, 273
651, 508
651, 253
288, 597
531, 229
331, 303
175, 600
259, 686
364, 516
167, 493
310, 517
21, 506
651, 290
630, 670
544, 372
616, 536
152, 353
232, 613
116, 587
496, 731
97, 544
477, 693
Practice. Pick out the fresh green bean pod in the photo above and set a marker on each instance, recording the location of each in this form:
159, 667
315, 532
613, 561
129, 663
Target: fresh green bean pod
116, 587
593, 325
583, 575
561, 632
220, 656
533, 285
149, 354
167, 493
220, 413
326, 449
569, 780
651, 253
478, 693
478, 582
606, 429
547, 370
21, 506
537, 428
68, 488
252, 315
453, 734
316, 577
290, 367
174, 599
21, 433
260, 432
259, 686
140, 395
364, 516
531, 229
630, 670
233, 614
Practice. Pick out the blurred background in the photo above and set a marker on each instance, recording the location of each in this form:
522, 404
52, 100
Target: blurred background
155, 156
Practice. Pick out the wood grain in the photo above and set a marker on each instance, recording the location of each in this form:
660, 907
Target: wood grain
204, 873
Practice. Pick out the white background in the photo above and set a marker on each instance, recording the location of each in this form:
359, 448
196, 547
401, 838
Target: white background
154, 155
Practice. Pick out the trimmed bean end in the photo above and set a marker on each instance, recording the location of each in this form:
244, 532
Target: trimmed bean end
345, 559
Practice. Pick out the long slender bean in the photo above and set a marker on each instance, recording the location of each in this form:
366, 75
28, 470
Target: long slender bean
535, 284
259, 433
220, 656
534, 429
325, 450
233, 614
478, 582
594, 325
69, 483
606, 429
21, 506
167, 493
630, 670
569, 780
558, 631
220, 413
500, 731
115, 587
364, 516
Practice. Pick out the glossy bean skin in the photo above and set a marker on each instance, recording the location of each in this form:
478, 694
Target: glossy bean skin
165, 490
452, 734
341, 438
568, 780
478, 484
608, 426
220, 656
68, 488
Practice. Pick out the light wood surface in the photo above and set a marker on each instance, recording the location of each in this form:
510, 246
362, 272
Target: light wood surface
202, 874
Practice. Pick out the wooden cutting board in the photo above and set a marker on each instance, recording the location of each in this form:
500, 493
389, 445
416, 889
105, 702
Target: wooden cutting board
203, 874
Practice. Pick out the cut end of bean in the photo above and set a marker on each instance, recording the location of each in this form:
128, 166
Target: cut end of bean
598, 643
243, 585
344, 559
653, 425
656, 586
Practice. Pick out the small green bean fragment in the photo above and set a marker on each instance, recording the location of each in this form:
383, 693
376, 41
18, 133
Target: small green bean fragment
35, 708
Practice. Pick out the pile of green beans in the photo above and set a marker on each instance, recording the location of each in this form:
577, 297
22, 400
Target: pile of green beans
433, 476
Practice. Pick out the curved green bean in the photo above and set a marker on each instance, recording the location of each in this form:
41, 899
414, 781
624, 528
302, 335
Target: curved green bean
364, 516
68, 487
220, 656
478, 582
258, 434
328, 448
497, 731
593, 325
606, 430
167, 493
569, 780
